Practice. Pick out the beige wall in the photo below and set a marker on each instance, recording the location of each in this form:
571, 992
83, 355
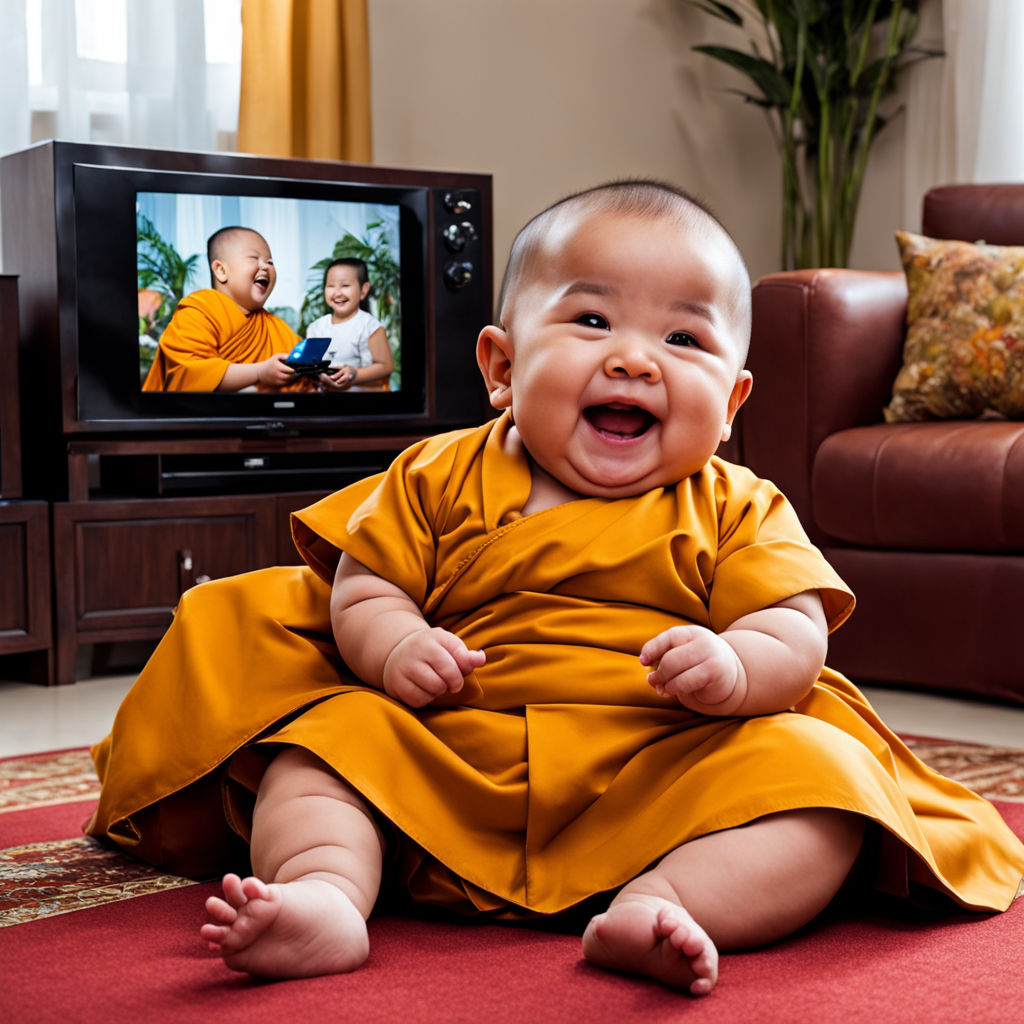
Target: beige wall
555, 95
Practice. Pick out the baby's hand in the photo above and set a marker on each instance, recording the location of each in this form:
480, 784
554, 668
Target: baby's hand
694, 665
339, 378
275, 371
426, 664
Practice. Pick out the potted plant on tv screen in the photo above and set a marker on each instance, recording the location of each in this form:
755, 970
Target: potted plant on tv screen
821, 68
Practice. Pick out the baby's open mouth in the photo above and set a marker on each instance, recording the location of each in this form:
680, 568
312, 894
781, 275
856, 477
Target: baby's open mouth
619, 420
262, 280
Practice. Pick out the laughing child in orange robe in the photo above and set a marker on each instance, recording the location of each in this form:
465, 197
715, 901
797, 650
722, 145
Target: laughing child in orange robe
221, 338
583, 658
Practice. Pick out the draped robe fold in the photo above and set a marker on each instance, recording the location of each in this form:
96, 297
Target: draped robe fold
558, 773
207, 334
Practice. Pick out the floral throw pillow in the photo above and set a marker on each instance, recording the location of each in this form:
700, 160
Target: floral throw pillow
964, 352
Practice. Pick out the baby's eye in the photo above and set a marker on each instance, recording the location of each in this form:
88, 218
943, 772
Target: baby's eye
684, 338
594, 320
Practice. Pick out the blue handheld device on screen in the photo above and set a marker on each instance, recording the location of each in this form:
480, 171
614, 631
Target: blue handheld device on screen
309, 351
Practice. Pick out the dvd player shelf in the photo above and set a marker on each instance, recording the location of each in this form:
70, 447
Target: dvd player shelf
234, 465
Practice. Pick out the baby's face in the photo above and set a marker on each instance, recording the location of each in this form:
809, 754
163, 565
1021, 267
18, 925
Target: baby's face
343, 292
245, 270
626, 352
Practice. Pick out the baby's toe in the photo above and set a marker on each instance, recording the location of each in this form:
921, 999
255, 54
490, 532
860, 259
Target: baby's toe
221, 911
234, 893
255, 889
701, 986
214, 934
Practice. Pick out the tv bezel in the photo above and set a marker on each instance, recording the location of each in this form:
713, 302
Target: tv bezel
103, 298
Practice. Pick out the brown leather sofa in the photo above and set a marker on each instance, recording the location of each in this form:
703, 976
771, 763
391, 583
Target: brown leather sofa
925, 521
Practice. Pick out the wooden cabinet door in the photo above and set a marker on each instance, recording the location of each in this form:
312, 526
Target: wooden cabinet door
122, 565
25, 576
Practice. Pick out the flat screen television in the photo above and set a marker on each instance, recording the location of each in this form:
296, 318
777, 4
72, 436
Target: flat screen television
108, 240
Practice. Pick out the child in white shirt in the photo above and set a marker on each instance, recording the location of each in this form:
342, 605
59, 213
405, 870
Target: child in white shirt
359, 352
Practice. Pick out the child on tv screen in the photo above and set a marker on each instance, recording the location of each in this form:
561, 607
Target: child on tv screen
221, 338
359, 353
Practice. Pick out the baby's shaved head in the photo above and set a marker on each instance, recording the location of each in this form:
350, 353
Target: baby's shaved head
221, 239
637, 198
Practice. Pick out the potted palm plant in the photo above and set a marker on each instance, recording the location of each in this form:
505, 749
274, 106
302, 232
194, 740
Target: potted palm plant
821, 69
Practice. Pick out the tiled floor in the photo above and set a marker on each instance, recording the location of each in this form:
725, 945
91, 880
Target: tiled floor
38, 718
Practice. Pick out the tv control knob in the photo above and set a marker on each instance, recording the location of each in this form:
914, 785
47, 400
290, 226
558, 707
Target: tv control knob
458, 203
457, 274
457, 235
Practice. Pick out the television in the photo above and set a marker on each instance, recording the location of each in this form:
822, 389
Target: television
108, 240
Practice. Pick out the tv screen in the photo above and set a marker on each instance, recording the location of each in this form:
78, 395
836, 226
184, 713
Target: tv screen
353, 247
160, 329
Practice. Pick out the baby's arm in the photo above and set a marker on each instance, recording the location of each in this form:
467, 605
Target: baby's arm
273, 372
764, 662
385, 640
382, 361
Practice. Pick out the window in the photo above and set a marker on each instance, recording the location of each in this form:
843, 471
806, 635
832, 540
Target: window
126, 71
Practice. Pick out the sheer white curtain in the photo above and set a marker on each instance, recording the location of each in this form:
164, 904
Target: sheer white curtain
965, 111
138, 72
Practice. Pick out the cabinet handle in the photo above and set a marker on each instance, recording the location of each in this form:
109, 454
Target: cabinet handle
185, 577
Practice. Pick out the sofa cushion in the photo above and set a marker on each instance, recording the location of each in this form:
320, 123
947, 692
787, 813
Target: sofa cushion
964, 351
970, 211
946, 486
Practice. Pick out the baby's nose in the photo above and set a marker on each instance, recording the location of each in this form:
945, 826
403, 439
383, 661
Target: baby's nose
632, 361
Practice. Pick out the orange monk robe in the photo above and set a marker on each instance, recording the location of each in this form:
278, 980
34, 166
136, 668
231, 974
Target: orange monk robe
209, 332
558, 773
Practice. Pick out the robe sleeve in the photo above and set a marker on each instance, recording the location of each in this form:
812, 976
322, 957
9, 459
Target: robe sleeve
188, 356
764, 555
387, 522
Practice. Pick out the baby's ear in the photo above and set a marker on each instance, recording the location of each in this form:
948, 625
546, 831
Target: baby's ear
220, 272
740, 393
494, 357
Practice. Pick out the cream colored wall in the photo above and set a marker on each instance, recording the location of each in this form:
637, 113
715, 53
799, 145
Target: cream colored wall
551, 96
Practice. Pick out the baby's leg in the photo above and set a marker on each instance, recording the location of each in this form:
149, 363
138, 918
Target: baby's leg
316, 844
745, 886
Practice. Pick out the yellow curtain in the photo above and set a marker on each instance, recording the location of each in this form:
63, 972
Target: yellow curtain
305, 79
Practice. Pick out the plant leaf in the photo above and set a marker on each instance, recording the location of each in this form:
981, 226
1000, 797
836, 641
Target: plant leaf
765, 75
717, 10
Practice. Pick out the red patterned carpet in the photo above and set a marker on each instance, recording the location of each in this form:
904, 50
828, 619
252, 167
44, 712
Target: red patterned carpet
87, 933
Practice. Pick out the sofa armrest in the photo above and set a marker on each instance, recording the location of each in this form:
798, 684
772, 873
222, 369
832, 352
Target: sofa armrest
826, 346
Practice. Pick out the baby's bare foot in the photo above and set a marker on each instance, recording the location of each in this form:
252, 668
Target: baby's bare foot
295, 930
649, 935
